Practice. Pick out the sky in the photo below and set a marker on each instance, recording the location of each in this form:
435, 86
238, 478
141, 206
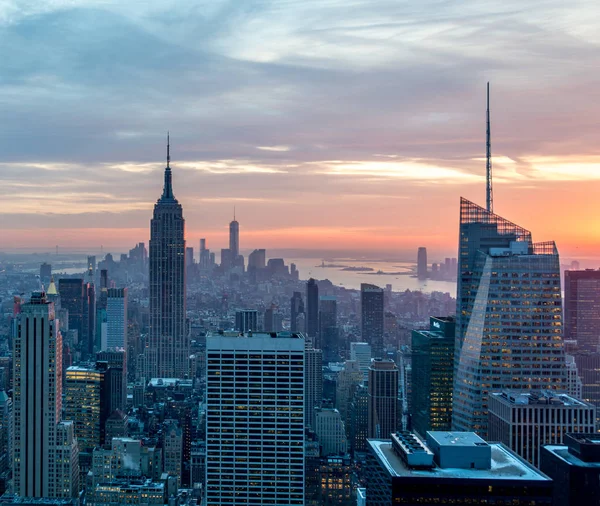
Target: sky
329, 125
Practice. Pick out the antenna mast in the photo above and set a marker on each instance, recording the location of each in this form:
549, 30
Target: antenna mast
488, 145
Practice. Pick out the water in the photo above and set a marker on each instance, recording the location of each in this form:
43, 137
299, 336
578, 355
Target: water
311, 267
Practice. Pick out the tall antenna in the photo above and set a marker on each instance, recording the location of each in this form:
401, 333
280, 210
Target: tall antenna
168, 150
488, 145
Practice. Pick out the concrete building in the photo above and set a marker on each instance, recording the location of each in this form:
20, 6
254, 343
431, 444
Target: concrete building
383, 399
371, 307
331, 431
525, 421
246, 320
574, 467
361, 352
255, 419
451, 468
313, 383
509, 315
432, 373
173, 449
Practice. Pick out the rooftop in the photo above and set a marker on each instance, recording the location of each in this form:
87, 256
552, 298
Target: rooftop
505, 464
466, 439
538, 397
562, 452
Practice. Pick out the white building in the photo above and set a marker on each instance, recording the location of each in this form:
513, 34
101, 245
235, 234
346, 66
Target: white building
255, 419
37, 396
331, 431
116, 319
525, 421
361, 352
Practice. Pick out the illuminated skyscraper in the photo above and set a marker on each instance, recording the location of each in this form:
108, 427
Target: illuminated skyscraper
169, 347
371, 302
509, 315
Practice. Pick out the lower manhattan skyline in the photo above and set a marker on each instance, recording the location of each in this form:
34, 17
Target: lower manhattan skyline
371, 116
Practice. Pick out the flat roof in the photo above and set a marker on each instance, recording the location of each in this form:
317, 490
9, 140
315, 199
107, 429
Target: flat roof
447, 438
505, 466
539, 398
563, 453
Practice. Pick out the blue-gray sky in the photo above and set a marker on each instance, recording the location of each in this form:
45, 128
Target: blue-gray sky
329, 124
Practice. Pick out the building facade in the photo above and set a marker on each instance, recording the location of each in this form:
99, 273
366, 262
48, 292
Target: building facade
383, 399
371, 307
582, 308
255, 419
116, 319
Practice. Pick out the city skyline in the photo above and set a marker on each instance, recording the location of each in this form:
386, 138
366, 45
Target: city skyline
375, 145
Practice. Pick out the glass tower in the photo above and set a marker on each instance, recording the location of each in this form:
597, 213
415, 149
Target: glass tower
509, 315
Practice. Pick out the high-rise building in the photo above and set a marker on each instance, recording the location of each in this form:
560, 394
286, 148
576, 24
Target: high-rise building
189, 256
116, 319
205, 255
234, 238
173, 449
169, 347
574, 467
327, 339
73, 300
257, 260
313, 383
432, 372
6, 433
312, 309
37, 401
296, 309
246, 320
254, 419
361, 353
509, 315
45, 273
359, 420
451, 468
422, 263
371, 303
331, 431
383, 399
86, 405
347, 381
116, 363
582, 309
525, 421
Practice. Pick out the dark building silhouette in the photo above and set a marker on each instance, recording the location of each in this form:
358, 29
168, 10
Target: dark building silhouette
327, 339
432, 375
371, 301
246, 320
312, 309
422, 263
296, 309
575, 469
169, 348
79, 299
383, 399
582, 308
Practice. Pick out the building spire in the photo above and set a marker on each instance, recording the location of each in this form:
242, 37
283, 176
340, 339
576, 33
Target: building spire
489, 192
168, 188
234, 212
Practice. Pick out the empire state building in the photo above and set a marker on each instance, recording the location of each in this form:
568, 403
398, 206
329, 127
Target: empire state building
169, 347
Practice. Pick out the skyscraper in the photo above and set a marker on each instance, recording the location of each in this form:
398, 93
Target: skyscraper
361, 352
327, 339
312, 309
168, 350
509, 315
255, 419
422, 263
116, 319
246, 320
371, 300
313, 383
582, 309
432, 374
383, 399
234, 238
296, 309
72, 299
38, 402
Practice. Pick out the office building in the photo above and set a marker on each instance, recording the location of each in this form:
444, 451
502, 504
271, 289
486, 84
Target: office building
116, 319
296, 309
86, 405
255, 419
142, 492
371, 302
509, 315
359, 420
525, 421
361, 353
331, 431
422, 263
168, 347
37, 403
173, 449
257, 260
72, 299
327, 338
6, 433
272, 321
383, 399
313, 383
205, 256
45, 273
66, 464
451, 468
234, 238
432, 372
582, 309
347, 381
312, 310
115, 361
189, 257
329, 480
246, 320
574, 467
